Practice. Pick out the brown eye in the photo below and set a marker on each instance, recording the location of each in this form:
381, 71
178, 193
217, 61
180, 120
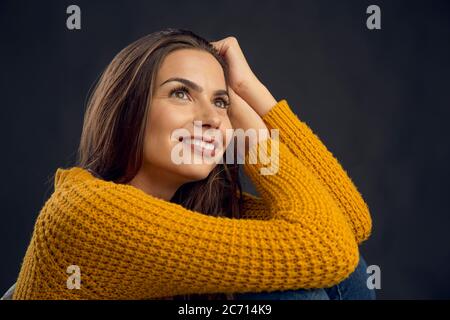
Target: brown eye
179, 92
222, 103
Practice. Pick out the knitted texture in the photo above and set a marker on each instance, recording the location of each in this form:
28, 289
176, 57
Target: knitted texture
308, 148
302, 233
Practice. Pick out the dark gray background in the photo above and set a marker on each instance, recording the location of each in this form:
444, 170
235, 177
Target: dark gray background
378, 100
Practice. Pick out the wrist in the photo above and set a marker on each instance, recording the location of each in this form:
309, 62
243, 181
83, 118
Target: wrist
257, 96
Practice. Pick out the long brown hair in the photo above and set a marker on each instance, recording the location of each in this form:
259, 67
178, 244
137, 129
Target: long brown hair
111, 145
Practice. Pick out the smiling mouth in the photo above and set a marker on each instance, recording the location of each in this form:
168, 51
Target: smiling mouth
203, 146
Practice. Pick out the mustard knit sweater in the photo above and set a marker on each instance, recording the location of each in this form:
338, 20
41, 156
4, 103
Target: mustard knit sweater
303, 232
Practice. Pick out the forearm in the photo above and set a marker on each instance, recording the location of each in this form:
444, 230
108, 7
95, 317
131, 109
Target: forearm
257, 96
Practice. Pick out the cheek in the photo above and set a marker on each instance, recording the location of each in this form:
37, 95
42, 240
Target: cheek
162, 122
152, 146
228, 131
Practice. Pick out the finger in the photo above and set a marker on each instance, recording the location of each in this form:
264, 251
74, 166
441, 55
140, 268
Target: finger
217, 44
221, 46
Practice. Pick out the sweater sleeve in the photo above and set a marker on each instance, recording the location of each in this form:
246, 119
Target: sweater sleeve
129, 245
314, 155
255, 207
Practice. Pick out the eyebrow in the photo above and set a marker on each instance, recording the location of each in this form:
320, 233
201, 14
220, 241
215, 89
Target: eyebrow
194, 86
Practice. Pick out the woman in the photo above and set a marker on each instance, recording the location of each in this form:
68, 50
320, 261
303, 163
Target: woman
130, 222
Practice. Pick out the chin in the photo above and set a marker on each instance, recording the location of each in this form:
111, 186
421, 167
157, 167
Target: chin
192, 172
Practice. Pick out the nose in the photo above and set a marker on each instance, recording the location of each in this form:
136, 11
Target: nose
208, 115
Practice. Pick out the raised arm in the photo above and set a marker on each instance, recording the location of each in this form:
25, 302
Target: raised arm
298, 137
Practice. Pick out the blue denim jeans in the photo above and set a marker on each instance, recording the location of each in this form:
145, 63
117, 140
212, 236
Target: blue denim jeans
352, 288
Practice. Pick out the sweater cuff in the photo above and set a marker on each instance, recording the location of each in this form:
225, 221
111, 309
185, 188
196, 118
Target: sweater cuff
281, 116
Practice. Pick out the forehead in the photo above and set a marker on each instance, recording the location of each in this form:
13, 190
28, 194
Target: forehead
193, 64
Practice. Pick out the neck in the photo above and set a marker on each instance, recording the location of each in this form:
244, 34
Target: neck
156, 182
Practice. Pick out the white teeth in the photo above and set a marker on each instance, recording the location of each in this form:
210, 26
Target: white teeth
202, 144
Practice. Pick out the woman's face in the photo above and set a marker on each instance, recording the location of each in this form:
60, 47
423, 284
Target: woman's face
187, 118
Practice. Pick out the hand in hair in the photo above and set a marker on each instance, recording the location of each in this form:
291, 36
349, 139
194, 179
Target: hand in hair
242, 79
